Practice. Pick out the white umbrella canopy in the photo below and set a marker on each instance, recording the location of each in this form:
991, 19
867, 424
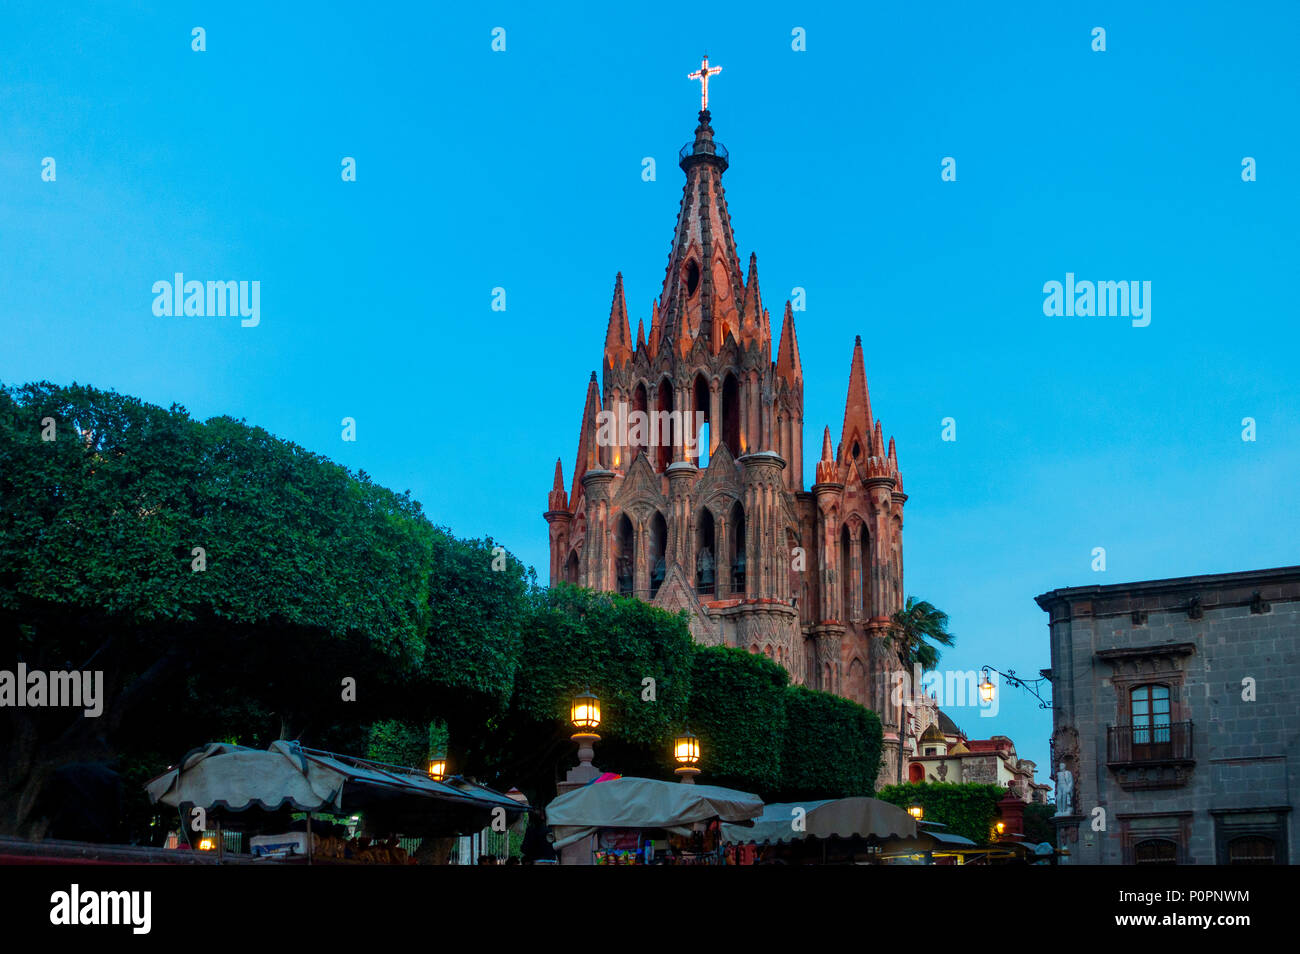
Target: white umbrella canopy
237, 777
648, 803
856, 817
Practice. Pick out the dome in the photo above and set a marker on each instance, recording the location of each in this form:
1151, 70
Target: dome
933, 734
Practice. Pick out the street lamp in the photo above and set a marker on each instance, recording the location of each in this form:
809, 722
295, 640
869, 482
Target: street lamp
584, 712
986, 688
916, 811
438, 766
686, 753
1029, 685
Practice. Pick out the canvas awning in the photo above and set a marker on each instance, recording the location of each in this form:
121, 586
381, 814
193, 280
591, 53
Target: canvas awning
645, 803
226, 779
859, 817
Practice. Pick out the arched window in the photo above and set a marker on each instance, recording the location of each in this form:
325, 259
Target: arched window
864, 558
692, 277
571, 568
1155, 851
658, 548
1150, 710
701, 437
916, 772
846, 575
706, 568
736, 548
731, 414
640, 407
663, 433
1252, 850
624, 558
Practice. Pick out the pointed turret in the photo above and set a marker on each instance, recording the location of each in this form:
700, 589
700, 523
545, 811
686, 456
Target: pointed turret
656, 329
788, 366
752, 312
826, 472
618, 345
588, 452
640, 335
558, 500
857, 411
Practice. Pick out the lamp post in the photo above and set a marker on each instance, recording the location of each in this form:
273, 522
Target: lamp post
916, 811
686, 753
584, 716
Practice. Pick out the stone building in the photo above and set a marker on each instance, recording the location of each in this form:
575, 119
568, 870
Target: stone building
687, 490
1176, 712
942, 753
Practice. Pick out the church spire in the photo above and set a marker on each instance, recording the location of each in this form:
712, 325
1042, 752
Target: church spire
787, 355
618, 347
857, 410
588, 452
703, 285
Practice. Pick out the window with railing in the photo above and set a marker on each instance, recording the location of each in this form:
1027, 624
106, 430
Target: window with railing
1150, 742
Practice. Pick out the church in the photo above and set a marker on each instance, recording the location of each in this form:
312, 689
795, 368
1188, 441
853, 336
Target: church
706, 511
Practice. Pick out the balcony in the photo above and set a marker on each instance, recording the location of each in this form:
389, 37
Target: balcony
1150, 756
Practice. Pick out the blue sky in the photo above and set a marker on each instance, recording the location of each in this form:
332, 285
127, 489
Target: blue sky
522, 170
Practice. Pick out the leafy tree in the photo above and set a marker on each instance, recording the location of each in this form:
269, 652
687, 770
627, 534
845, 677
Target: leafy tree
308, 575
578, 639
738, 713
916, 631
966, 809
831, 746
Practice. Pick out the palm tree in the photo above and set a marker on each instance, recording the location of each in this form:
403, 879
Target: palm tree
913, 633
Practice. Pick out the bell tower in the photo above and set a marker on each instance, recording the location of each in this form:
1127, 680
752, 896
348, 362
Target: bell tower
687, 488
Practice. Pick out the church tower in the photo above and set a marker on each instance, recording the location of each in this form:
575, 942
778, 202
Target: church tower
687, 490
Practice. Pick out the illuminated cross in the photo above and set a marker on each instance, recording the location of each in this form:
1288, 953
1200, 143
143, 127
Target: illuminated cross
703, 74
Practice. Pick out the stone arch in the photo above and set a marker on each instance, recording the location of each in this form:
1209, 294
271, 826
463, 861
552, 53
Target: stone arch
706, 569
700, 404
663, 430
857, 682
641, 406
658, 552
624, 556
730, 413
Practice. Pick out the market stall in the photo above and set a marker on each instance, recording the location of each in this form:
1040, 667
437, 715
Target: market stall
256, 791
646, 821
841, 830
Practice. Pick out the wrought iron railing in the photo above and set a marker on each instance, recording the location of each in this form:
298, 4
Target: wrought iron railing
708, 148
1167, 742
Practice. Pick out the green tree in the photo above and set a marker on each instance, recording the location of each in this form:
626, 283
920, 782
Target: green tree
229, 585
635, 657
831, 746
916, 631
967, 809
737, 711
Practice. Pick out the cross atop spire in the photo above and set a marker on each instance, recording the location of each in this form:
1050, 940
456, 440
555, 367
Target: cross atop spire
703, 74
